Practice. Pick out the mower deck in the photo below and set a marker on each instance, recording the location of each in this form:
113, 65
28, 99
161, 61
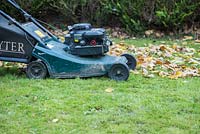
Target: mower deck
44, 53
61, 64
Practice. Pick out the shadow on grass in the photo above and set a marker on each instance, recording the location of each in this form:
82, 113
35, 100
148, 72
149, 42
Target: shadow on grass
15, 71
20, 72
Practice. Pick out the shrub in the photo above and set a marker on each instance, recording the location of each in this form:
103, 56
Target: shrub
133, 15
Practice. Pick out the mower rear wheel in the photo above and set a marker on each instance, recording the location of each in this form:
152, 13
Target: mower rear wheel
119, 72
36, 70
131, 61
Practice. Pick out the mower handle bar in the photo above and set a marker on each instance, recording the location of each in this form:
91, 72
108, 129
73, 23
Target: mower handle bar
28, 17
19, 26
14, 3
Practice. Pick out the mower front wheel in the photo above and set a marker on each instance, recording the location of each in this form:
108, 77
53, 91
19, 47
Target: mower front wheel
119, 72
131, 61
36, 70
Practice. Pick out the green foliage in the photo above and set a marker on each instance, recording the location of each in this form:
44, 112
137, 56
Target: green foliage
175, 16
133, 15
74, 11
128, 13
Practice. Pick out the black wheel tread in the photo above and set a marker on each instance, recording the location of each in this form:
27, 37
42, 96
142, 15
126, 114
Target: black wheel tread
132, 63
36, 70
122, 76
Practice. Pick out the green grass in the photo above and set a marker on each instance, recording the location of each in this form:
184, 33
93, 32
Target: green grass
140, 42
140, 105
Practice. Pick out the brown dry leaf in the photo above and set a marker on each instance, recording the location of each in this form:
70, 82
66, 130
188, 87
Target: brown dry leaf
162, 48
159, 62
164, 60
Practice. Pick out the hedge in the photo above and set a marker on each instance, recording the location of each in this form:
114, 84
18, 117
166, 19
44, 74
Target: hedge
133, 15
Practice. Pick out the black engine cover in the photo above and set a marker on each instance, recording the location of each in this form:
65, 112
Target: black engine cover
83, 40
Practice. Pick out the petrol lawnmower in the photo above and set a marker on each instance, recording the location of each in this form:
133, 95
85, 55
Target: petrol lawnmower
83, 54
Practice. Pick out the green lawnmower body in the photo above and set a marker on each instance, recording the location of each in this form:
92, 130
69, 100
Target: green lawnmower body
61, 64
44, 53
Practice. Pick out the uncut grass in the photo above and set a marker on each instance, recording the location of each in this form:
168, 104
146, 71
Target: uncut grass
140, 105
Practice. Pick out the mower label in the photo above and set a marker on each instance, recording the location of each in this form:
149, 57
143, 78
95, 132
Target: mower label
39, 33
13, 47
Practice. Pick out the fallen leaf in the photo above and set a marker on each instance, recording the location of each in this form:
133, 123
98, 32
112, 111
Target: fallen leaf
184, 43
150, 76
35, 98
149, 32
197, 41
1, 63
173, 61
178, 73
188, 38
158, 62
109, 90
158, 34
55, 120
162, 48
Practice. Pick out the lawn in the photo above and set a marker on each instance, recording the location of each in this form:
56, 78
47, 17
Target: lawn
61, 106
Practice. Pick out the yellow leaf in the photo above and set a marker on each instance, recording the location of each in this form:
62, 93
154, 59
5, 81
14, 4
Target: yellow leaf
174, 46
62, 39
109, 90
179, 73
149, 59
173, 77
184, 43
176, 75
55, 120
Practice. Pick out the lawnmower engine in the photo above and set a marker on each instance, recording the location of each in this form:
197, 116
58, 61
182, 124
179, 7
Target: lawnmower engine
83, 40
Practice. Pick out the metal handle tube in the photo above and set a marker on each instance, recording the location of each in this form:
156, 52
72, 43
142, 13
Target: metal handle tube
19, 25
30, 18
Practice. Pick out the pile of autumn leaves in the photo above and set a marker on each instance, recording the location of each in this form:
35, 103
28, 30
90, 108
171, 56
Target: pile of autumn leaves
172, 61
